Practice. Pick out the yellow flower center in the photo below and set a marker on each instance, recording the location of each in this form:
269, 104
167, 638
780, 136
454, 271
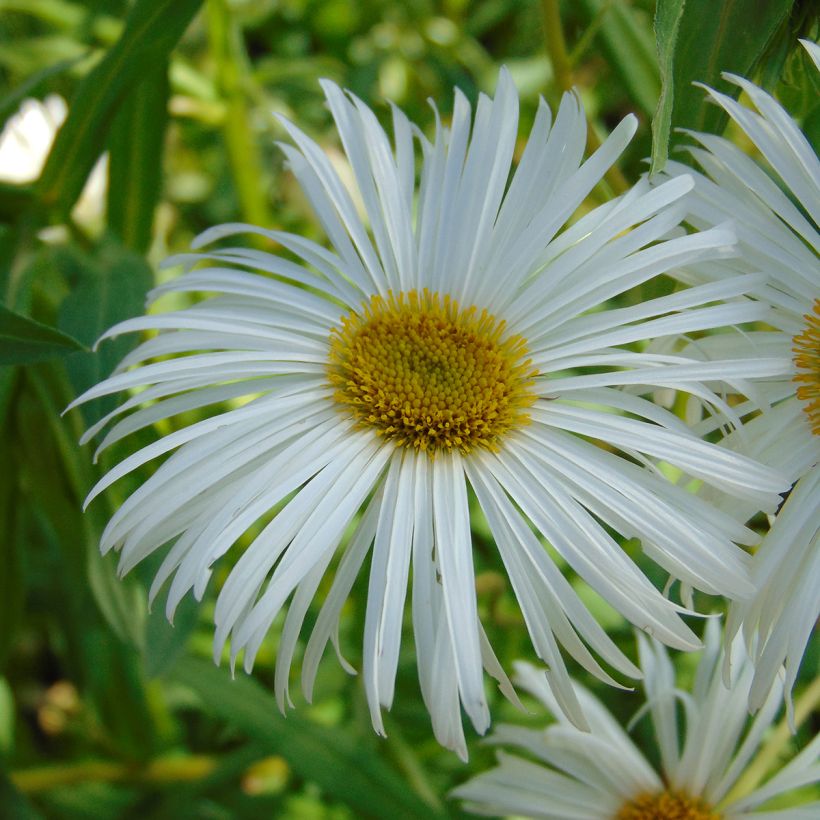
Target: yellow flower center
427, 374
806, 349
665, 806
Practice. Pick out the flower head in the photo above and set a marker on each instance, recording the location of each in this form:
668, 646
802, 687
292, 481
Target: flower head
603, 775
776, 217
438, 346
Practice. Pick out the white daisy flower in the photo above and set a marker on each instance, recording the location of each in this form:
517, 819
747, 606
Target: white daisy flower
603, 775
455, 344
778, 236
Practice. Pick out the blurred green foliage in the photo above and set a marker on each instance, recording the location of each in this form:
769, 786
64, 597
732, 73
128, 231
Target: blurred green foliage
107, 711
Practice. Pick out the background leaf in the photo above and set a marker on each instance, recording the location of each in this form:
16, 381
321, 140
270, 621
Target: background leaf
12, 582
332, 759
135, 159
697, 41
9, 103
164, 641
152, 29
111, 288
24, 340
14, 805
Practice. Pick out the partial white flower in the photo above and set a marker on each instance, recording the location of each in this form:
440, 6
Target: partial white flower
776, 217
25, 143
603, 775
455, 342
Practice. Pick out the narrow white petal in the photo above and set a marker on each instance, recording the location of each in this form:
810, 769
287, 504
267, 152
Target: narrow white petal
454, 555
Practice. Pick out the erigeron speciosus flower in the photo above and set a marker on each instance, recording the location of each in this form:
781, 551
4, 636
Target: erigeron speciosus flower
433, 348
563, 773
776, 216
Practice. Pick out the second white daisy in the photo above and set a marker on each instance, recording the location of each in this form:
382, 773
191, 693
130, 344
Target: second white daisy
603, 775
776, 217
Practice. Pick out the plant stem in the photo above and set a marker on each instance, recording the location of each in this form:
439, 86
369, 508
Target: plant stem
411, 767
232, 80
771, 750
562, 67
589, 35
556, 44
162, 770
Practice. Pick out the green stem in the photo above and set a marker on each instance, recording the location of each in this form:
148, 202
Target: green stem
410, 766
772, 749
589, 34
232, 81
556, 44
79, 478
562, 67
162, 770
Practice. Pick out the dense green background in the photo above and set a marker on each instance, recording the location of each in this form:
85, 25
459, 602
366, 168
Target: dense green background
105, 710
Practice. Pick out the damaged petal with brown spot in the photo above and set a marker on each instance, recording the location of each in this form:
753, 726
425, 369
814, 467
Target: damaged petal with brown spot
427, 374
666, 806
806, 349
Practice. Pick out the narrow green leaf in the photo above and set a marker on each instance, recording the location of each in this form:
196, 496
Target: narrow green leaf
121, 604
7, 715
667, 22
811, 128
332, 759
29, 88
23, 340
697, 41
151, 31
135, 159
112, 289
114, 674
107, 670
12, 580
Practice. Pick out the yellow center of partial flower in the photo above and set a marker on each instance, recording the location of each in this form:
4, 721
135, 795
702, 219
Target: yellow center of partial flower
806, 349
427, 374
665, 806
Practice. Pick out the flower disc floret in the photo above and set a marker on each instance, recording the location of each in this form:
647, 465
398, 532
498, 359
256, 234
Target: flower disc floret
806, 349
427, 374
665, 806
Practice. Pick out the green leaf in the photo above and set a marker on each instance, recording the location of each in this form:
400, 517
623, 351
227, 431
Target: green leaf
13, 803
29, 88
114, 673
811, 128
106, 670
333, 759
121, 604
630, 49
668, 16
90, 801
697, 40
152, 29
23, 340
135, 159
164, 642
7, 714
12, 580
112, 288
